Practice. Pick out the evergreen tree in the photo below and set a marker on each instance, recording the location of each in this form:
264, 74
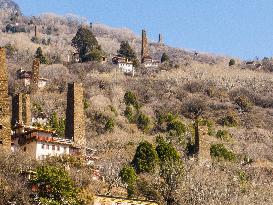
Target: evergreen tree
166, 151
40, 55
164, 58
231, 62
87, 45
126, 51
55, 186
145, 158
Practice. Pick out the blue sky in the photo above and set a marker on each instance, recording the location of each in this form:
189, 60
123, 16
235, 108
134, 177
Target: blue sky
238, 28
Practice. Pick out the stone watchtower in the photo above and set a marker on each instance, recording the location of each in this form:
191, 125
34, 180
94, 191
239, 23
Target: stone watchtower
202, 143
5, 129
75, 119
21, 112
35, 75
144, 46
160, 39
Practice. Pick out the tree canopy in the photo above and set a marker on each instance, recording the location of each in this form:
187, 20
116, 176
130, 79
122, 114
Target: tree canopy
145, 158
164, 58
54, 186
126, 51
87, 45
39, 54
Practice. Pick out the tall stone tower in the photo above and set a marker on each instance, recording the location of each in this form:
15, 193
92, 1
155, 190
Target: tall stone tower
35, 75
202, 143
21, 112
5, 129
160, 39
75, 119
35, 31
144, 47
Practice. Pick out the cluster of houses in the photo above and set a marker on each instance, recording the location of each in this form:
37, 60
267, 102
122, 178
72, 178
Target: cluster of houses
124, 64
127, 66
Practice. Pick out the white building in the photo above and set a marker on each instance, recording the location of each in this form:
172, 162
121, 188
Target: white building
25, 77
124, 65
40, 143
148, 62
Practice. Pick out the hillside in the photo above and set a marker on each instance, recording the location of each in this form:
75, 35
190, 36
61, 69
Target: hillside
237, 101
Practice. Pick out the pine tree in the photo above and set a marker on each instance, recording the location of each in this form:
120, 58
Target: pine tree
87, 45
126, 51
164, 58
40, 55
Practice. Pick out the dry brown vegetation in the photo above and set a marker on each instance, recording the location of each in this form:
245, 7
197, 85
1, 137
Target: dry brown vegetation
228, 92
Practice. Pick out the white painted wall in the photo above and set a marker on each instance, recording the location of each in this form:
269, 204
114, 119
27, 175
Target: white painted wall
45, 149
126, 67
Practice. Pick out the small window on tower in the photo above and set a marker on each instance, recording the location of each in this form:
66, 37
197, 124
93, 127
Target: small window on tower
1, 142
1, 110
1, 127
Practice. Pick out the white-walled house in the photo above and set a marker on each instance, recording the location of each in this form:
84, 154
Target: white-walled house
148, 62
26, 76
40, 143
124, 64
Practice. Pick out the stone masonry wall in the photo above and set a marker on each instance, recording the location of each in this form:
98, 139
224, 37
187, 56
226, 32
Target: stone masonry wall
144, 47
5, 118
75, 119
21, 112
35, 75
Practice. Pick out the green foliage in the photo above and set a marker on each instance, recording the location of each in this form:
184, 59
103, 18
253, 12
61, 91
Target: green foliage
55, 186
230, 120
143, 122
110, 124
209, 123
128, 175
145, 158
223, 135
131, 99
57, 124
129, 114
87, 45
126, 51
219, 151
86, 104
39, 54
166, 151
176, 127
114, 110
94, 55
231, 62
164, 58
244, 103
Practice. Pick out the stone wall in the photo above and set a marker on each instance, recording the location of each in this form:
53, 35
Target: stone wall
21, 111
75, 118
160, 39
5, 118
35, 75
144, 46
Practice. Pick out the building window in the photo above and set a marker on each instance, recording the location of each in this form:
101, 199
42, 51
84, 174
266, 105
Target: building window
1, 127
43, 146
53, 147
1, 110
25, 149
58, 148
47, 146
